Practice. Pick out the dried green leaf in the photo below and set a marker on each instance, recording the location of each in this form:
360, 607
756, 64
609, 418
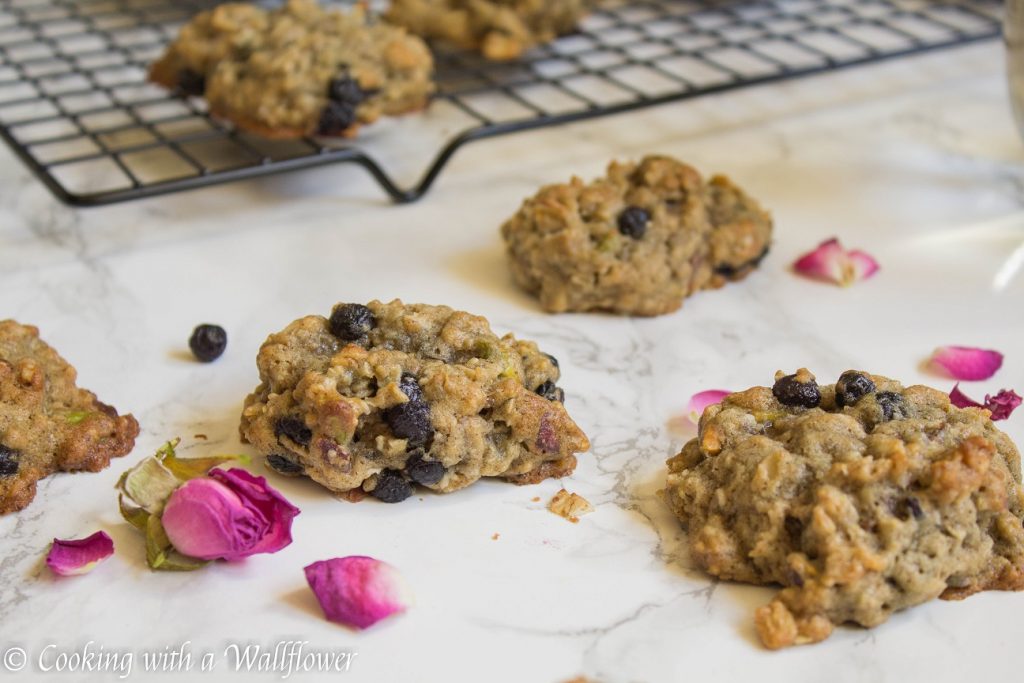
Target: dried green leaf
161, 555
190, 468
135, 516
148, 485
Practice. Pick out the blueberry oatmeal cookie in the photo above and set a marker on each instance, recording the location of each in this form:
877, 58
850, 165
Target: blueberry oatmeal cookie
297, 70
47, 424
637, 241
498, 29
859, 498
377, 398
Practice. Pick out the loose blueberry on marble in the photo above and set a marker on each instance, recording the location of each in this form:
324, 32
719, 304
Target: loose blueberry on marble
208, 342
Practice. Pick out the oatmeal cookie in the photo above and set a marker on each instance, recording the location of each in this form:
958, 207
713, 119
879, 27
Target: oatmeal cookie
637, 241
379, 397
860, 498
297, 70
499, 29
47, 424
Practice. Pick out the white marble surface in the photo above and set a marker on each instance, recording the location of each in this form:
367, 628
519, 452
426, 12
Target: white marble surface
916, 160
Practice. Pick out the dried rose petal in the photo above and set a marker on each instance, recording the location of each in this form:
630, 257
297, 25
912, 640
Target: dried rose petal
703, 399
230, 515
358, 591
1001, 405
79, 556
832, 263
967, 362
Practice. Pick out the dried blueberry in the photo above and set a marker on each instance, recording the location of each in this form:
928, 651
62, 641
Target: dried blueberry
8, 461
391, 487
410, 387
410, 421
633, 222
794, 528
339, 114
191, 82
907, 507
549, 391
425, 472
351, 322
791, 392
892, 404
294, 428
280, 463
851, 387
336, 118
208, 342
731, 271
345, 90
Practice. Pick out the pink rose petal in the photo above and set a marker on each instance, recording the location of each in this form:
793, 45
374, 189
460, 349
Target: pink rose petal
832, 263
1001, 405
79, 556
357, 591
230, 515
703, 399
967, 362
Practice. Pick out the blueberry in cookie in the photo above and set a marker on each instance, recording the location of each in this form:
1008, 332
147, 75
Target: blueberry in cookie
47, 423
498, 29
636, 242
860, 499
297, 70
379, 398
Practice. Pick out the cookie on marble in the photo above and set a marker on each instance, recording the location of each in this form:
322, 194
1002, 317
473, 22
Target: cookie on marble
297, 70
498, 29
47, 424
860, 498
636, 242
380, 397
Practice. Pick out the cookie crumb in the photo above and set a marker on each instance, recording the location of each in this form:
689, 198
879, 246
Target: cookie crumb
570, 506
496, 536
535, 499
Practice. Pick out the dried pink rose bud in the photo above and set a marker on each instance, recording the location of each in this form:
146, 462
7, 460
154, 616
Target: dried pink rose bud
79, 556
358, 591
230, 515
967, 362
832, 263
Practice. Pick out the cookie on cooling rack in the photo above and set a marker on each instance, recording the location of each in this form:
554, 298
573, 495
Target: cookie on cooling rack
498, 29
861, 498
47, 424
637, 241
380, 397
297, 70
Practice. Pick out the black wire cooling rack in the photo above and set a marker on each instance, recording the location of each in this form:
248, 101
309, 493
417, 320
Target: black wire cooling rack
75, 106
